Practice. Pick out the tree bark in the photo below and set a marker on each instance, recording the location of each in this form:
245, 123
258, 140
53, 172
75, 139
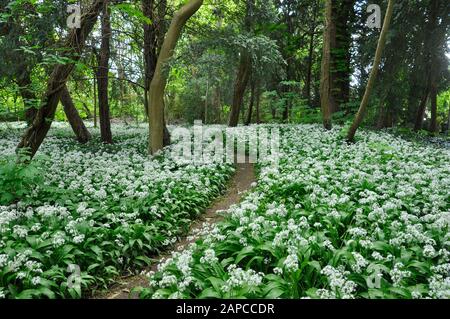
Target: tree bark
73, 48
150, 47
243, 74
373, 74
325, 81
381, 122
340, 53
258, 104
153, 40
95, 100
311, 54
421, 111
159, 81
430, 45
77, 124
448, 118
252, 103
102, 76
240, 86
433, 100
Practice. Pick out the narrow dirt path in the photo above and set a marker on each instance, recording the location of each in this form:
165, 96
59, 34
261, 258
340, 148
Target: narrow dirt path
238, 185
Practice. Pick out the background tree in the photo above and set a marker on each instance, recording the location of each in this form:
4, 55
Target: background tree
35, 134
159, 81
373, 74
103, 75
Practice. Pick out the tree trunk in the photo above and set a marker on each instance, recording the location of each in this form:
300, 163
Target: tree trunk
311, 55
77, 124
340, 52
258, 104
87, 110
150, 47
373, 74
95, 98
325, 81
206, 102
381, 115
433, 100
448, 119
252, 103
159, 81
153, 40
102, 77
243, 74
73, 48
240, 86
421, 111
431, 61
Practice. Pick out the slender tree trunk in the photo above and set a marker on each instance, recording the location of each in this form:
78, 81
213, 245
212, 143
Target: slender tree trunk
325, 81
438, 39
159, 81
252, 103
340, 52
240, 86
258, 104
373, 74
95, 101
103, 78
243, 74
381, 115
94, 70
311, 55
431, 62
448, 118
73, 48
433, 100
421, 111
218, 104
150, 47
206, 102
87, 110
77, 124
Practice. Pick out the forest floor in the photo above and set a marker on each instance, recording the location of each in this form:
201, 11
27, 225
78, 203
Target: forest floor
324, 219
238, 186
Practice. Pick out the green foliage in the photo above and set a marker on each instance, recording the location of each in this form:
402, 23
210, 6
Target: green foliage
18, 178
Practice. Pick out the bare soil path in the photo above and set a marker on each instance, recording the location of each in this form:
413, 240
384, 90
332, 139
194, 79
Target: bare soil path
238, 186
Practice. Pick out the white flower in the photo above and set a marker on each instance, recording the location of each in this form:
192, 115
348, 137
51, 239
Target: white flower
209, 257
78, 239
428, 251
360, 262
278, 271
291, 263
239, 277
397, 274
3, 260
168, 280
35, 281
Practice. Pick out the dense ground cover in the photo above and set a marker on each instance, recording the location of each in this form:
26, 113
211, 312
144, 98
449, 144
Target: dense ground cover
367, 220
105, 209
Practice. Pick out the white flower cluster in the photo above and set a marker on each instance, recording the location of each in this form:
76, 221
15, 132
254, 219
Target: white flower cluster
102, 196
360, 206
